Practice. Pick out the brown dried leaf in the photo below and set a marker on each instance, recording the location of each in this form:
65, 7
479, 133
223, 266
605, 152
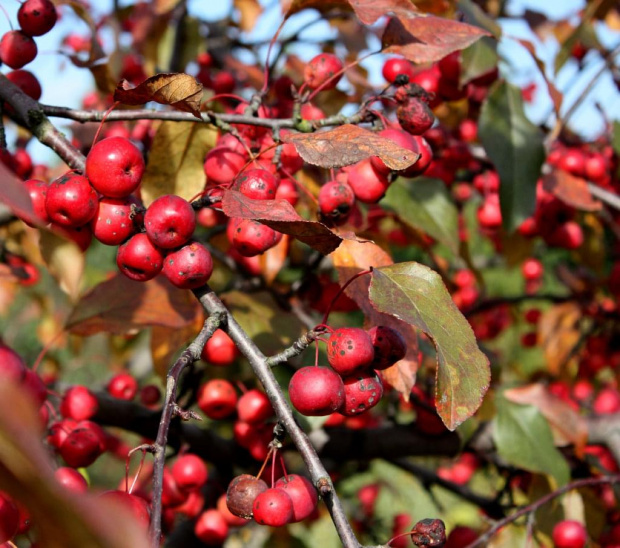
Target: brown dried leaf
120, 305
249, 12
281, 216
567, 425
558, 332
571, 190
425, 39
349, 144
349, 259
179, 90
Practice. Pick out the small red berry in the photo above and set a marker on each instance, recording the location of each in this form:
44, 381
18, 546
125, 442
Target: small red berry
322, 69
71, 201
36, 17
217, 399
190, 472
273, 507
170, 221
303, 495
569, 534
123, 386
17, 49
316, 391
211, 528
220, 349
139, 259
189, 267
389, 345
254, 407
361, 392
350, 350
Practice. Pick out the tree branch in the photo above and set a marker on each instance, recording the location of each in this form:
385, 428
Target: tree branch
33, 117
212, 305
588, 482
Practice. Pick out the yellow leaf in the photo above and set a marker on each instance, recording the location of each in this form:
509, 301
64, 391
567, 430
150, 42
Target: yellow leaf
176, 160
65, 262
249, 12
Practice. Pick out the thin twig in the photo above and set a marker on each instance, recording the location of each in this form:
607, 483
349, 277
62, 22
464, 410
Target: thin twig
189, 356
482, 540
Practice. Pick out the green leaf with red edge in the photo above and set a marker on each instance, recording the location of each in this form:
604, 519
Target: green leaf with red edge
347, 145
425, 39
416, 294
120, 305
180, 91
515, 145
281, 216
27, 476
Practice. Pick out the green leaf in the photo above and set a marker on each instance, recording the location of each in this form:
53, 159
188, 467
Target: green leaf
176, 160
478, 59
269, 327
523, 438
515, 146
425, 205
416, 294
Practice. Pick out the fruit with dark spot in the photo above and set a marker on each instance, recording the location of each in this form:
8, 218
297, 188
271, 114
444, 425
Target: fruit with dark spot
350, 351
71, 201
336, 199
361, 393
322, 70
389, 345
241, 494
36, 17
139, 259
189, 267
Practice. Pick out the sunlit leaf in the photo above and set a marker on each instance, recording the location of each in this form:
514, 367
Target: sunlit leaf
416, 294
558, 333
65, 261
523, 438
515, 146
249, 12
347, 145
175, 164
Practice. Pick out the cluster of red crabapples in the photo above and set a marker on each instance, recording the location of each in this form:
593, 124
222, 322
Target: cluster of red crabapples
100, 204
351, 386
17, 47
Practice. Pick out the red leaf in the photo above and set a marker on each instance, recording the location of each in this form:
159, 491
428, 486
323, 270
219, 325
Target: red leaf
425, 39
120, 305
349, 259
349, 144
571, 190
14, 194
180, 91
281, 216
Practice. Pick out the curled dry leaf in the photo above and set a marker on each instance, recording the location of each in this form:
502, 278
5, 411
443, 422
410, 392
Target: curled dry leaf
567, 425
425, 39
353, 257
571, 190
349, 144
559, 333
281, 216
179, 90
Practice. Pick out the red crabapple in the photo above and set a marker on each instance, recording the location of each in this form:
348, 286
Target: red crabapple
254, 407
220, 349
361, 392
316, 391
114, 166
27, 82
569, 534
78, 403
257, 184
368, 185
169, 221
17, 49
241, 494
273, 507
112, 224
350, 350
336, 199
303, 495
415, 116
217, 399
389, 345
322, 70
189, 267
36, 17
71, 201
190, 472
211, 528
123, 386
139, 259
